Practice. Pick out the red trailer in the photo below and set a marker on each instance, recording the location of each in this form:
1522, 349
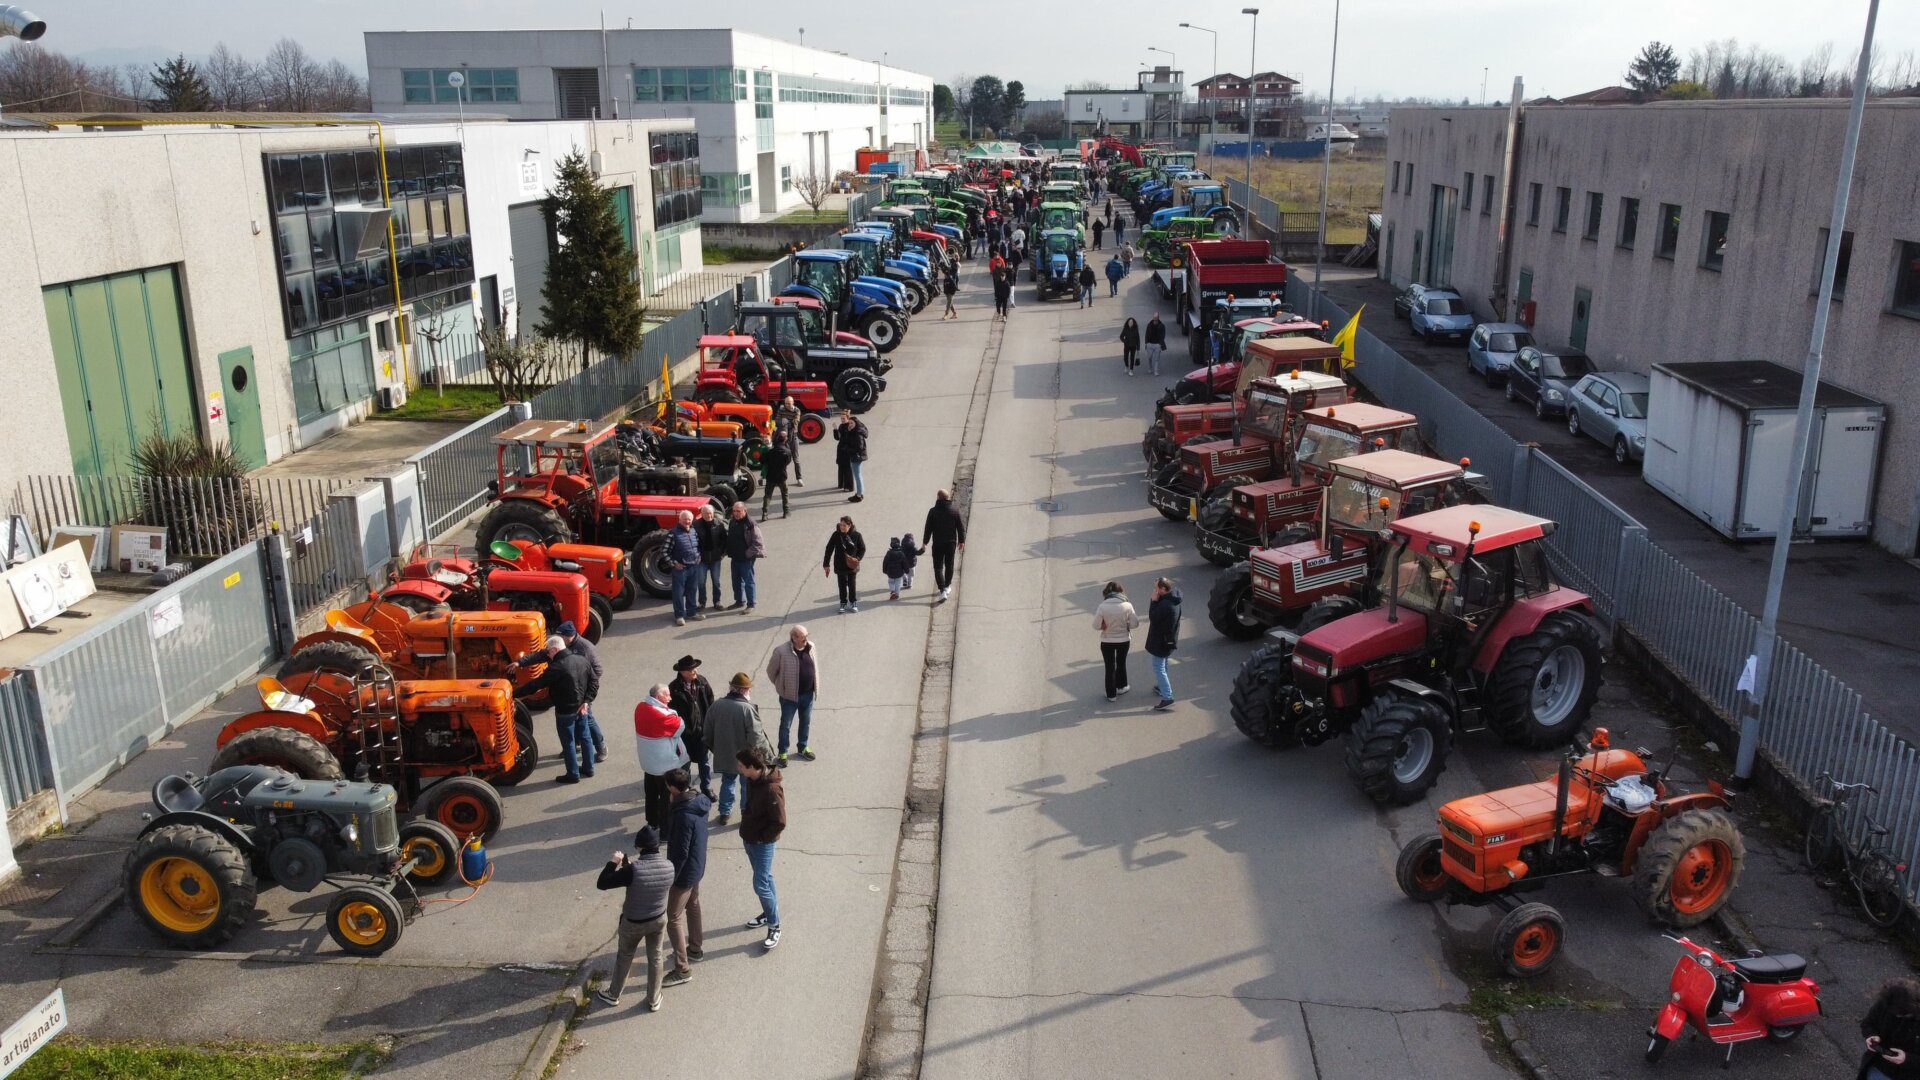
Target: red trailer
1217, 269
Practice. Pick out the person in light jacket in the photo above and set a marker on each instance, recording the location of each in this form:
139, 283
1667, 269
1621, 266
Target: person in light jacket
656, 734
1115, 622
1163, 634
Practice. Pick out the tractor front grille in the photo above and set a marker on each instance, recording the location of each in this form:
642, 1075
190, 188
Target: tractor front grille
1459, 853
386, 831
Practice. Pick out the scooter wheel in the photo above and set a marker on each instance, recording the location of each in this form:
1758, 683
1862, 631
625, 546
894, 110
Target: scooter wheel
1656, 1045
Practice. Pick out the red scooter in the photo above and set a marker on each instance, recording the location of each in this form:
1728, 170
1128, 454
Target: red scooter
1735, 1001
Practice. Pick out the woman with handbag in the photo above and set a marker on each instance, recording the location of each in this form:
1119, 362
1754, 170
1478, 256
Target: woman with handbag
657, 731
845, 549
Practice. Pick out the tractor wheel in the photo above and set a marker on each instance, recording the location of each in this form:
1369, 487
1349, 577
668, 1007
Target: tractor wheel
723, 492
284, 748
1164, 478
1528, 939
603, 609
714, 393
463, 804
1419, 871
1543, 685
595, 626
527, 754
1688, 867
335, 656
189, 884
856, 389
879, 328
364, 920
629, 590
650, 567
1231, 606
1258, 691
1296, 533
521, 520
744, 485
1216, 515
1325, 610
1397, 749
434, 848
811, 429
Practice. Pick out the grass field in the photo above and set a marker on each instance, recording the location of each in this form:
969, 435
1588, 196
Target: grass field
808, 216
460, 403
1356, 186
68, 1059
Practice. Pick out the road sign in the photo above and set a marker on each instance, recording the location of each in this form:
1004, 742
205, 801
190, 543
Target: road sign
33, 1031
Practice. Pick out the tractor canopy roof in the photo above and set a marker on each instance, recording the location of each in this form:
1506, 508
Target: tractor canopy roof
554, 432
780, 302
1052, 204
1397, 469
1060, 237
1445, 534
1262, 303
726, 341
1297, 382
1293, 350
818, 255
1360, 416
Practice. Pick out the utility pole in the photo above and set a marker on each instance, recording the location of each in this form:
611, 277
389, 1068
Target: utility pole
1213, 110
1253, 68
1483, 86
1326, 162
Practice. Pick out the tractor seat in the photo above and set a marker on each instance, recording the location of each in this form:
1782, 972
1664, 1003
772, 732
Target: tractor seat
1779, 968
175, 794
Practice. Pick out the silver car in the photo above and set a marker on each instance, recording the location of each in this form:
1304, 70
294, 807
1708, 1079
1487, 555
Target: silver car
1491, 349
1611, 407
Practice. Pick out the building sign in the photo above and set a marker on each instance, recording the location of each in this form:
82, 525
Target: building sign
216, 406
33, 1031
530, 176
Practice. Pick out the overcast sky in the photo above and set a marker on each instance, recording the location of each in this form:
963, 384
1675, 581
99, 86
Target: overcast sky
1435, 48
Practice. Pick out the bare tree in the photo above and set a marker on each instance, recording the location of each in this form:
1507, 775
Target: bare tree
519, 366
338, 89
233, 79
814, 189
289, 78
38, 79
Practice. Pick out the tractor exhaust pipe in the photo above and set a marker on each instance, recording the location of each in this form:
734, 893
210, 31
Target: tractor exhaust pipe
1560, 803
16, 21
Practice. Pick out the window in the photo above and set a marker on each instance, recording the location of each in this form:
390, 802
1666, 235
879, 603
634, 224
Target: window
1562, 208
495, 85
1629, 222
676, 177
492, 85
1713, 241
1533, 204
1596, 202
331, 368
1409, 178
1486, 195
1669, 231
1396, 177
729, 189
1466, 194
786, 179
1840, 268
804, 89
416, 85
1906, 281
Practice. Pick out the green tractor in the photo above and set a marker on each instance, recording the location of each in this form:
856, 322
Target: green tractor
1162, 246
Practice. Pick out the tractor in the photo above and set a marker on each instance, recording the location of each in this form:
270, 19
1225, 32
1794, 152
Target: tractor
565, 481
732, 370
1233, 321
795, 331
443, 645
1062, 215
1475, 634
1194, 196
1304, 568
719, 459
876, 254
448, 582
1166, 248
608, 571
212, 842
876, 307
1221, 381
1608, 813
1176, 424
1061, 252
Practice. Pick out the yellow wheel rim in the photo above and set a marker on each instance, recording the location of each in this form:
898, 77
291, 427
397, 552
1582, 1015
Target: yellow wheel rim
431, 859
180, 895
362, 923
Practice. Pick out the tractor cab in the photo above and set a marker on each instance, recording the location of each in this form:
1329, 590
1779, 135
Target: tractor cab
1059, 262
1059, 215
898, 219
1268, 422
1338, 431
1064, 191
1222, 337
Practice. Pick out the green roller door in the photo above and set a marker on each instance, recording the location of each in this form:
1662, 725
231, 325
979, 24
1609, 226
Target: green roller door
120, 352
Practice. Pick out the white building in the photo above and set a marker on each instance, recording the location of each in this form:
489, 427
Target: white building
237, 283
769, 112
1151, 110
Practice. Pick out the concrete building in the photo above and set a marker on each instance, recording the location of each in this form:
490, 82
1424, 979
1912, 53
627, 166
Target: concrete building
236, 282
770, 112
1151, 110
1679, 231
1228, 99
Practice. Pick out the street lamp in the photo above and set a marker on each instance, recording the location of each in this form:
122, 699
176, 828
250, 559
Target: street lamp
1175, 64
458, 80
1326, 162
1213, 111
1253, 68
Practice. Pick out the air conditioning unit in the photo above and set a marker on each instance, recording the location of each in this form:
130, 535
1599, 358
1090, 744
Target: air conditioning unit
392, 397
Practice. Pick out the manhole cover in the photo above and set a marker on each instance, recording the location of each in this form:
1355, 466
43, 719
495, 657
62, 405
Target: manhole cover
33, 889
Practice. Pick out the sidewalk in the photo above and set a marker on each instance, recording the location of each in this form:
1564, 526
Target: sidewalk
367, 447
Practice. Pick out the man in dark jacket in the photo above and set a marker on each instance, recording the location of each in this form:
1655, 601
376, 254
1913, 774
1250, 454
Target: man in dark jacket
687, 851
569, 683
1086, 281
1156, 343
773, 471
762, 821
946, 533
589, 726
647, 879
710, 533
851, 454
746, 547
1163, 634
690, 695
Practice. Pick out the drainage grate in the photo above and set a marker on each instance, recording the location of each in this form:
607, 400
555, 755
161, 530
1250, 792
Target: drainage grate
33, 888
1050, 506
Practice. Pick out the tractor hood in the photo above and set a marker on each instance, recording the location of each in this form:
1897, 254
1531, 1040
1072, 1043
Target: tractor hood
1518, 812
1368, 636
1057, 266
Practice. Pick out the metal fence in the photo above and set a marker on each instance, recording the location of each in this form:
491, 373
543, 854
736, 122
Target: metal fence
456, 360
779, 276
24, 765
454, 471
689, 292
326, 561
204, 517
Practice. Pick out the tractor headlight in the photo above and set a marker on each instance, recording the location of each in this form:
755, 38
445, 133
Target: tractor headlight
351, 834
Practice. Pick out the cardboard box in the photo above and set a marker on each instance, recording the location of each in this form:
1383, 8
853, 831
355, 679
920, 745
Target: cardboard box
139, 549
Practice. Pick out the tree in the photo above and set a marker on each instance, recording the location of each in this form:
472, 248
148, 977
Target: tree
289, 77
591, 294
943, 102
1014, 101
814, 189
519, 367
988, 102
232, 79
1687, 90
1652, 71
180, 86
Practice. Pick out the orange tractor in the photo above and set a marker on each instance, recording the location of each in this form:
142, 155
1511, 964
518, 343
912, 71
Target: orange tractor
1608, 813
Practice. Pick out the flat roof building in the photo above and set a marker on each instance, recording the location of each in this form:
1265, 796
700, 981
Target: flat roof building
770, 113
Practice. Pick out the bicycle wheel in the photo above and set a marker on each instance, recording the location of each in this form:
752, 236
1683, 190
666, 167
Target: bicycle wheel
1823, 849
1877, 881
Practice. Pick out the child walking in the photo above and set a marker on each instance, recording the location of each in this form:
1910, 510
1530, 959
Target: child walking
894, 565
912, 552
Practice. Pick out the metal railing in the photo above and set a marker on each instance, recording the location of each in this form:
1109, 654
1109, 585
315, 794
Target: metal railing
457, 360
24, 766
205, 517
454, 471
688, 292
326, 565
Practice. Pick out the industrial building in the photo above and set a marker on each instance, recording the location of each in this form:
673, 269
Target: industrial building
1153, 109
1678, 232
231, 275
770, 112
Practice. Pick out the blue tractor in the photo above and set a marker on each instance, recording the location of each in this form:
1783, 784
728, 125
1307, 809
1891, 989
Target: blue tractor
1062, 256
1200, 200
876, 255
874, 308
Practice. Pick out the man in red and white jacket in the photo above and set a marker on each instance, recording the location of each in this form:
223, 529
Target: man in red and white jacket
656, 732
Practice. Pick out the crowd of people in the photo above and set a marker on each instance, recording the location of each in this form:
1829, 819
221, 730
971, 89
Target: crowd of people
1009, 227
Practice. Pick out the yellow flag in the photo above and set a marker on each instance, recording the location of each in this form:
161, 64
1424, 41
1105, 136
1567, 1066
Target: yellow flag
666, 387
1345, 337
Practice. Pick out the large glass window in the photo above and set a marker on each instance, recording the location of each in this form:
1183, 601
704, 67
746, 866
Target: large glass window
812, 89
689, 84
676, 177
426, 85
332, 368
726, 189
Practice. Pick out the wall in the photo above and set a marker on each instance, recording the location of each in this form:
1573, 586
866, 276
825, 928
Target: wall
1771, 166
767, 236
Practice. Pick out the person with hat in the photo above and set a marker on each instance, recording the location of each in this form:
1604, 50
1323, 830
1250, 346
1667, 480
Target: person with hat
732, 724
647, 877
690, 695
656, 733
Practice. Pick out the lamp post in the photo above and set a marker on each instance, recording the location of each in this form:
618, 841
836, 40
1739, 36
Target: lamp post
458, 80
1326, 162
1253, 68
1173, 66
1213, 111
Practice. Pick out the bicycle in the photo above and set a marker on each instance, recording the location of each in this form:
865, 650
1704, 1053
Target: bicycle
1876, 877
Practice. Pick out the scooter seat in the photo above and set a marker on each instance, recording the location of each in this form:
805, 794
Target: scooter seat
1783, 967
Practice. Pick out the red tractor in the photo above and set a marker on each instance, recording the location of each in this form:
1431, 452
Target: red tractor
1608, 813
608, 571
1475, 635
732, 370
1219, 380
1307, 576
1176, 425
567, 481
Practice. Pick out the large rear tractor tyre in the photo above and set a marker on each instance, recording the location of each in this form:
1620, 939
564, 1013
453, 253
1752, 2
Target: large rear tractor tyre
189, 884
527, 754
365, 921
1544, 684
650, 566
434, 849
467, 806
1528, 940
1231, 607
856, 389
295, 751
712, 393
603, 610
339, 657
519, 520
1397, 749
1419, 871
1216, 515
1689, 867
1259, 693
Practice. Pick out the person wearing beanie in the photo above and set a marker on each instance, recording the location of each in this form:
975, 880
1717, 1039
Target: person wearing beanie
687, 851
656, 733
647, 878
732, 724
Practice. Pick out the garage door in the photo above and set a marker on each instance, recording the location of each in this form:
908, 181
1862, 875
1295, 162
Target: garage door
120, 352
527, 231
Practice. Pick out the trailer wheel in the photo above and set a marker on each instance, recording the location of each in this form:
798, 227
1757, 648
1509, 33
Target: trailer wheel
1397, 749
1231, 607
1528, 939
1688, 868
1260, 691
1544, 684
1419, 871
650, 565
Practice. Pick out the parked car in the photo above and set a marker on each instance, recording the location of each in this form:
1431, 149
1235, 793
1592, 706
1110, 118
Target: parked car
1491, 349
1545, 377
1611, 407
1436, 314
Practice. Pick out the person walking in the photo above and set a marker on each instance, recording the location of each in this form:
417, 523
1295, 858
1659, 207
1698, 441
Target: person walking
773, 472
894, 565
1115, 271
1163, 635
687, 851
589, 726
787, 417
1156, 343
1114, 620
1002, 293
569, 682
746, 546
1120, 230
656, 735
1130, 344
1086, 281
762, 820
647, 878
851, 434
912, 552
690, 695
710, 533
844, 551
1892, 1031
946, 533
1099, 232
1126, 256
683, 553
732, 724
794, 670
950, 284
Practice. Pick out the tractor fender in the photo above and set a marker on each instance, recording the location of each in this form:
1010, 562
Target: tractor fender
424, 588
1524, 617
202, 819
307, 723
1661, 811
1422, 690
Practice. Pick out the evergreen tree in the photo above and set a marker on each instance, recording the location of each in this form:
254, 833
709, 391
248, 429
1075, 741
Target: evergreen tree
1652, 71
181, 87
592, 294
